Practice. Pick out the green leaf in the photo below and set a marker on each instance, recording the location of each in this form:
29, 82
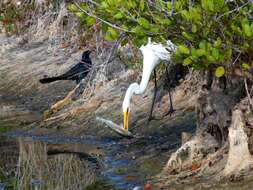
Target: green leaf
111, 34
138, 30
80, 15
195, 14
142, 5
204, 4
165, 22
245, 66
141, 40
210, 59
182, 49
111, 3
187, 61
119, 15
218, 43
90, 21
131, 4
215, 53
144, 23
72, 7
245, 46
212, 5
1, 17
154, 29
104, 5
203, 44
219, 72
247, 30
84, 6
218, 5
169, 6
200, 52
194, 28
186, 15
187, 36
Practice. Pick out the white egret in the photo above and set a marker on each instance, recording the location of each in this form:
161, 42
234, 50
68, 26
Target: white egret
153, 54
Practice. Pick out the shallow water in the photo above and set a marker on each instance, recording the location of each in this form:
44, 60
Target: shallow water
57, 162
31, 161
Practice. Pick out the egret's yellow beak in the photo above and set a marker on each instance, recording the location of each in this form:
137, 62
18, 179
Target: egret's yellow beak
126, 115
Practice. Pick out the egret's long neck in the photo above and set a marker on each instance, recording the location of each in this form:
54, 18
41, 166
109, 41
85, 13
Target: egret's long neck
129, 93
149, 63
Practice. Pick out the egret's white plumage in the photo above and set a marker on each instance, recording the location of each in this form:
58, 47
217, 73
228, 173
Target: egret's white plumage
153, 54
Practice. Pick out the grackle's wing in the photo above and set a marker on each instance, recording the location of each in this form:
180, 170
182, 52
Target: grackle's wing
75, 71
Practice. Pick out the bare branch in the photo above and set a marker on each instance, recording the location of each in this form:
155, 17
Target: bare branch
248, 94
234, 10
172, 8
236, 58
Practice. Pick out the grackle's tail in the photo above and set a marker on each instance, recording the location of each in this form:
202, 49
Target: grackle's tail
51, 79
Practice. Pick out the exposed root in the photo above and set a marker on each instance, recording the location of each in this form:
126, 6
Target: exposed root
90, 107
62, 103
239, 157
191, 153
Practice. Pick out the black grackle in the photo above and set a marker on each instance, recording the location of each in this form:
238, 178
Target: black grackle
77, 73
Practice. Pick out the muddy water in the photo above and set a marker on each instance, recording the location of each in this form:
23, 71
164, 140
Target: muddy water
31, 161
50, 162
44, 162
31, 164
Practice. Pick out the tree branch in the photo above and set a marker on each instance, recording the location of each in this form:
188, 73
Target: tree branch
102, 20
248, 94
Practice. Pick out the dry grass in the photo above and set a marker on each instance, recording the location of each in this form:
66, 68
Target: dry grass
37, 170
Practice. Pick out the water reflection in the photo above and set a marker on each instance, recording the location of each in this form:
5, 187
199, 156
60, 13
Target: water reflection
36, 165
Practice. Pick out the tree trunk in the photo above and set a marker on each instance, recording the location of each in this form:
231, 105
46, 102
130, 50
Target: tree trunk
224, 130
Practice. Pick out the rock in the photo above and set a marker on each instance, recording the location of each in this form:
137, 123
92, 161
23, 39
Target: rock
239, 157
186, 137
192, 152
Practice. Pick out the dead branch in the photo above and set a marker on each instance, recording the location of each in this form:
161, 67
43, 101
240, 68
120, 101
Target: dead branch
90, 107
248, 93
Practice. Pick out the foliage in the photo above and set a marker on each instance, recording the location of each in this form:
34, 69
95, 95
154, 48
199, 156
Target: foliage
210, 34
12, 14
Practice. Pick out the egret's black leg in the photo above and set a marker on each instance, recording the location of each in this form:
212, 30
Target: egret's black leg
153, 100
171, 110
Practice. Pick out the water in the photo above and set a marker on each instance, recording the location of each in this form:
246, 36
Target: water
51, 162
41, 162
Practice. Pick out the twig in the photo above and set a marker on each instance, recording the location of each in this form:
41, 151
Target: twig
251, 91
236, 58
248, 94
112, 52
172, 8
95, 3
234, 10
115, 46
